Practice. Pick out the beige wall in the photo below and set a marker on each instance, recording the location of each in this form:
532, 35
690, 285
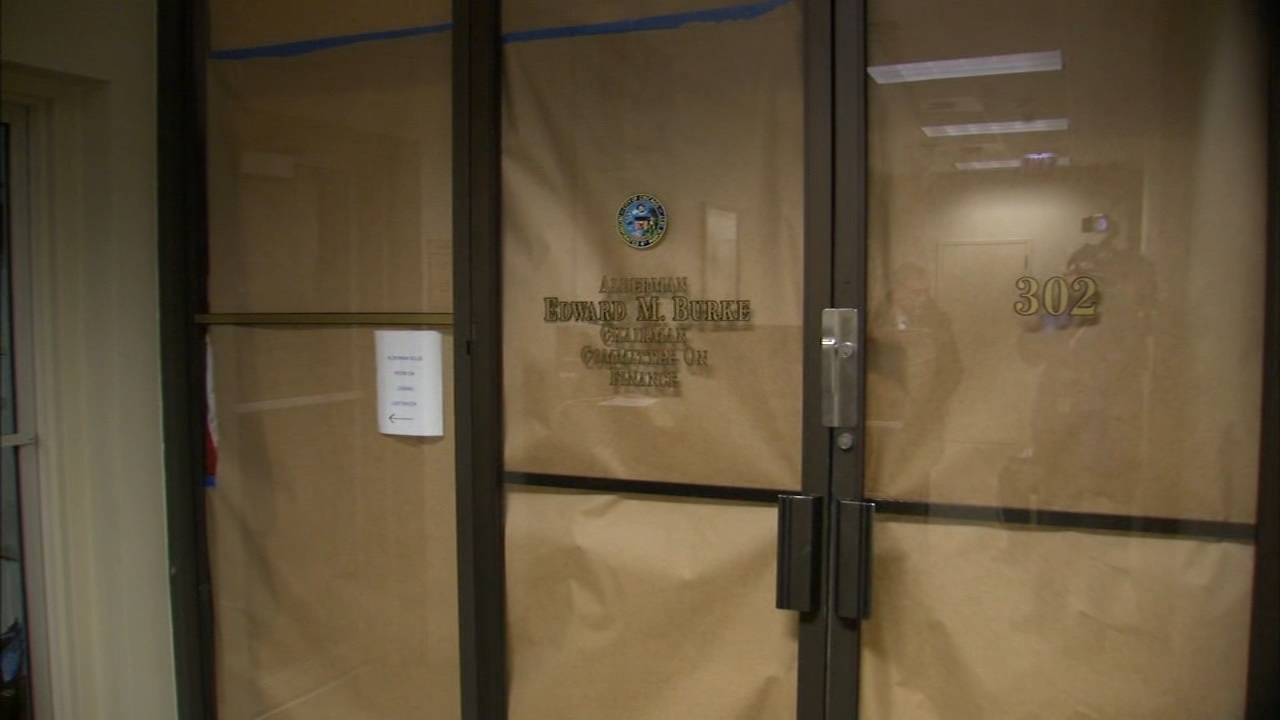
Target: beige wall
87, 67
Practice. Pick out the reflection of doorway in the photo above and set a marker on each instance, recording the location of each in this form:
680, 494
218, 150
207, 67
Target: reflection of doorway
987, 417
973, 285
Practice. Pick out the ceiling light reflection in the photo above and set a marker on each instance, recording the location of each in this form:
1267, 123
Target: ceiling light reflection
988, 164
967, 67
996, 128
1030, 160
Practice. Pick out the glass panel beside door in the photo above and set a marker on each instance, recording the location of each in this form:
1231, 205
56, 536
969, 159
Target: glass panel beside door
1066, 245
331, 531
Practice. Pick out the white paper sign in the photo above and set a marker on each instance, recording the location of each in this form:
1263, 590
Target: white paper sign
410, 382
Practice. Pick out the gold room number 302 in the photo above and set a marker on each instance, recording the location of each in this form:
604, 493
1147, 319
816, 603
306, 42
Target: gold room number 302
1055, 297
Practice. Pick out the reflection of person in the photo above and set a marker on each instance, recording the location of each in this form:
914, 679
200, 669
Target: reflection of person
914, 368
1087, 415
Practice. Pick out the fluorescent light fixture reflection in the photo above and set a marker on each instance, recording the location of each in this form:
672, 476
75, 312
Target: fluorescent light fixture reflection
996, 128
988, 164
967, 67
1031, 159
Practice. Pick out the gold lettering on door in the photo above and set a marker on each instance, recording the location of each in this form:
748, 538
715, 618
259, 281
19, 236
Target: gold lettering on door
1055, 297
647, 348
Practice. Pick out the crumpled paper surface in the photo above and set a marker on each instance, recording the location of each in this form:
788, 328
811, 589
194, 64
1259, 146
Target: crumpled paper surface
333, 547
330, 180
645, 609
708, 118
982, 623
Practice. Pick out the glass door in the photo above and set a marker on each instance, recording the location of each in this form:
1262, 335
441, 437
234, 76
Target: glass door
1064, 283
654, 308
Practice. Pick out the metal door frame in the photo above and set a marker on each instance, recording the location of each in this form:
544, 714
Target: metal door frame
835, 270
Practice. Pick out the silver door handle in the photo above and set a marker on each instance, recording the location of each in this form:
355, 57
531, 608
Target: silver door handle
840, 358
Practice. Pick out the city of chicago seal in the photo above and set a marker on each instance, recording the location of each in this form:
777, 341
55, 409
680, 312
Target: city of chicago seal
642, 221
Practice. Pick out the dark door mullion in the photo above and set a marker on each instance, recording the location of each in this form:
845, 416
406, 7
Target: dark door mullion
819, 124
849, 272
477, 273
1263, 698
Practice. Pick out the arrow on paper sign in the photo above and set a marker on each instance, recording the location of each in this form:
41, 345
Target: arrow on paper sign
393, 418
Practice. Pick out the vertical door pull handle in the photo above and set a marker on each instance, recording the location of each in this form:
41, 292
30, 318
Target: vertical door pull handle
853, 559
799, 521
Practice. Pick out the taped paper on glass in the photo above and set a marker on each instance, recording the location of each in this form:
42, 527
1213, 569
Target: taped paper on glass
333, 546
410, 382
1135, 387
706, 117
281, 28
330, 185
995, 623
645, 609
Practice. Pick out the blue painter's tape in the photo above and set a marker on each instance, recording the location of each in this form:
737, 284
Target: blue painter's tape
302, 47
749, 11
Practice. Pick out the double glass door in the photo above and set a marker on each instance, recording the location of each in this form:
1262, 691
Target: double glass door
1009, 472
897, 359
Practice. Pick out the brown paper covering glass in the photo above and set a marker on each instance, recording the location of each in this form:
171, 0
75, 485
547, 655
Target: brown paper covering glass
981, 623
255, 23
642, 609
518, 15
1152, 405
333, 547
330, 180
707, 118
